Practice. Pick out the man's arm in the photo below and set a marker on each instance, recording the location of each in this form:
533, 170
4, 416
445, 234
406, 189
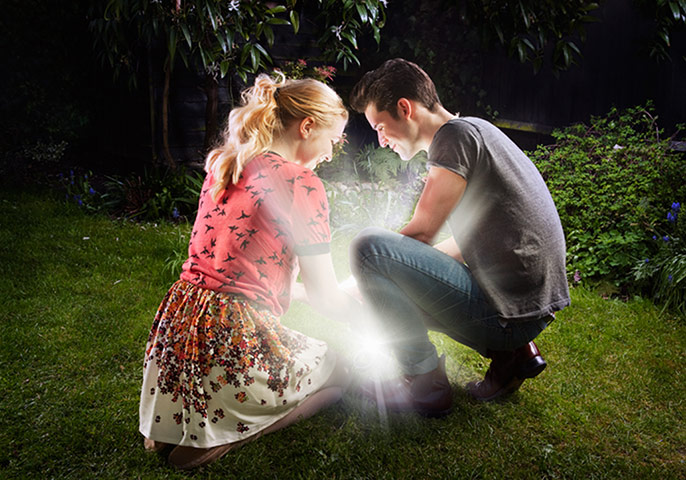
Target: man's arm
442, 192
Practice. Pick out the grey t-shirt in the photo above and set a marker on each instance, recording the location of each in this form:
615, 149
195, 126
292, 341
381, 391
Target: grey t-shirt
506, 223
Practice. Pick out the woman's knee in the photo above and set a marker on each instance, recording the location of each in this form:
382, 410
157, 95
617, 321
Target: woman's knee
340, 377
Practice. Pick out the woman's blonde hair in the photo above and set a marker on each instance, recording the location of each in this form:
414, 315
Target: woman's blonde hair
267, 109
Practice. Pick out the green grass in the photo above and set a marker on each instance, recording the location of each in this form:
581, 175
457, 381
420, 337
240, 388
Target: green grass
80, 292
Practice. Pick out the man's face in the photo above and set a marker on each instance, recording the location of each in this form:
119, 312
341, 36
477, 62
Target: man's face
396, 133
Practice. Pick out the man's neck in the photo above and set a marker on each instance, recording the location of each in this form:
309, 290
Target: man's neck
430, 122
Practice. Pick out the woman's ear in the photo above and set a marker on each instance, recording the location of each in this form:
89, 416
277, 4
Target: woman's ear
306, 127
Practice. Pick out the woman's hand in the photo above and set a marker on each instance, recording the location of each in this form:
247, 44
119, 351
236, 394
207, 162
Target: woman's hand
323, 292
299, 293
349, 286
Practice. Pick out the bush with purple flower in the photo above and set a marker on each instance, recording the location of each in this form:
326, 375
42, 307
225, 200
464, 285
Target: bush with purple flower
79, 190
663, 275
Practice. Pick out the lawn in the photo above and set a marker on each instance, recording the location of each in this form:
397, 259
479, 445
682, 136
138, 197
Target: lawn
80, 293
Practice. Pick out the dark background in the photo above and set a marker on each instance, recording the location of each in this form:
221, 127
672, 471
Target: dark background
53, 89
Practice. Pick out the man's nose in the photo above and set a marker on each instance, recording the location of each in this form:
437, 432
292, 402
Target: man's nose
383, 141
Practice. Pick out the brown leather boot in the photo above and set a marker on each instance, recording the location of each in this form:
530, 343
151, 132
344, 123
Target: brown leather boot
507, 372
428, 394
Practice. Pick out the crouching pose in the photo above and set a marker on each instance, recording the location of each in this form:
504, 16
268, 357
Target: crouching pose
219, 367
494, 284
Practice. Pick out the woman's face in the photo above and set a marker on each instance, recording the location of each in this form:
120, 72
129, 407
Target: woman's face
317, 147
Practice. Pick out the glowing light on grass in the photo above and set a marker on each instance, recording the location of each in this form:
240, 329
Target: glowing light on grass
371, 355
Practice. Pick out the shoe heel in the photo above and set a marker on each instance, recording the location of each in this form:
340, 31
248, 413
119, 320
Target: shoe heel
532, 367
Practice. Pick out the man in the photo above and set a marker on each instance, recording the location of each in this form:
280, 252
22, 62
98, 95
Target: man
495, 284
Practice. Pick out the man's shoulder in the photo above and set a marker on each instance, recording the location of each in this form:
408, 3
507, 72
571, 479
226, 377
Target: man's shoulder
459, 130
468, 123
464, 126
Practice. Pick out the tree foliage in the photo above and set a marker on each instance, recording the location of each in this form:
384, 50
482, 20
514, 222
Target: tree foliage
225, 35
528, 27
220, 36
669, 17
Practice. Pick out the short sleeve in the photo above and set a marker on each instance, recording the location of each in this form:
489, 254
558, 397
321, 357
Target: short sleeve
311, 231
456, 147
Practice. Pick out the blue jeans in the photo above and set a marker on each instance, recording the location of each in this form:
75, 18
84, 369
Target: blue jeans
414, 288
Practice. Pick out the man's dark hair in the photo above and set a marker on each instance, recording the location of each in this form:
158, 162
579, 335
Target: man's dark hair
393, 80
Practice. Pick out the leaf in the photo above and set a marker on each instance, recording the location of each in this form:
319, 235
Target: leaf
350, 36
277, 9
254, 58
373, 10
171, 46
573, 46
565, 54
244, 53
278, 21
262, 50
212, 19
243, 75
362, 12
205, 59
676, 12
499, 32
295, 21
223, 68
664, 36
221, 40
525, 17
269, 35
186, 34
184, 57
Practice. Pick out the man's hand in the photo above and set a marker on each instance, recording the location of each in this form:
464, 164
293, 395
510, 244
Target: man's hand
449, 247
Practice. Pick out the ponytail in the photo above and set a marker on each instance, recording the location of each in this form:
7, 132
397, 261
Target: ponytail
267, 109
249, 132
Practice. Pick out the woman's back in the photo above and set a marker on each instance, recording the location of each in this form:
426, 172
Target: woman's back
247, 241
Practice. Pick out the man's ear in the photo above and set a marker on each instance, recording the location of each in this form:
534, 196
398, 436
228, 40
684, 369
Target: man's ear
306, 127
405, 108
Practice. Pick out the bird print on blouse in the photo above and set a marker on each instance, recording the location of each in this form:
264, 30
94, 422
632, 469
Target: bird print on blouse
248, 240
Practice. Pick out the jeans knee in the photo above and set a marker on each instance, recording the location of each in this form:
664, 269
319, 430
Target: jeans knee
363, 245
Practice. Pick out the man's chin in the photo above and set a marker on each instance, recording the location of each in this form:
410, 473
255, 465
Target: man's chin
406, 156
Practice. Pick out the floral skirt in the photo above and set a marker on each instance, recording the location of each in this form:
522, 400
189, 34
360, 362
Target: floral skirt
217, 370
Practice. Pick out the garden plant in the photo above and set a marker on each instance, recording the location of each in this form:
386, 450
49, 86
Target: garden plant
612, 180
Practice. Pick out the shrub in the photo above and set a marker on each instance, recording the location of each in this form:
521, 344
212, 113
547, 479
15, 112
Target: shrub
608, 181
381, 189
79, 188
157, 194
663, 273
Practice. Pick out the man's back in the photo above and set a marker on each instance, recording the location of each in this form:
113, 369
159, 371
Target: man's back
506, 223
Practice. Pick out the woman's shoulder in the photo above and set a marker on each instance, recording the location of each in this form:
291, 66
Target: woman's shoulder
280, 166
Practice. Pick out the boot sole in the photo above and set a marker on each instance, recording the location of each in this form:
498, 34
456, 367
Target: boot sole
532, 368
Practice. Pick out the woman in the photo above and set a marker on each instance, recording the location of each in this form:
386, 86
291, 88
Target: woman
220, 369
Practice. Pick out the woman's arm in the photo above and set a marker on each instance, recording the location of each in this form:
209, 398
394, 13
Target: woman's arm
322, 289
